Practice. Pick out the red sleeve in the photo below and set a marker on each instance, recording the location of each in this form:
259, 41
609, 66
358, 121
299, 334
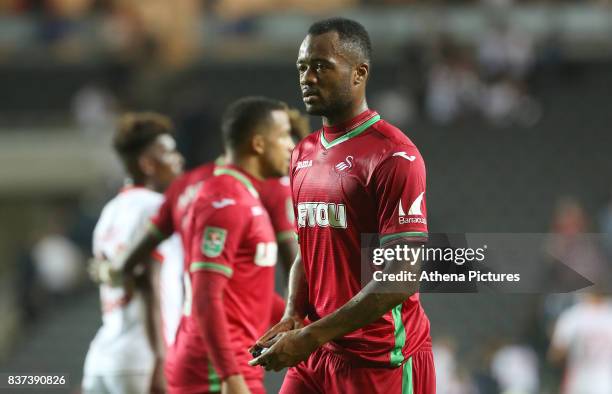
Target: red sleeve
278, 309
208, 290
162, 221
277, 201
399, 182
217, 236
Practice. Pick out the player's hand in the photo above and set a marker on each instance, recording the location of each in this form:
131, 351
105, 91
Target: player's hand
101, 271
286, 324
288, 349
234, 384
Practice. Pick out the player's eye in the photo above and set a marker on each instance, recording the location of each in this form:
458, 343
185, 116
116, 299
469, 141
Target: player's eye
302, 68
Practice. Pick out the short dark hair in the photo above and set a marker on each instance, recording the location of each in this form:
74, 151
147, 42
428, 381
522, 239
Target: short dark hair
135, 132
352, 33
244, 116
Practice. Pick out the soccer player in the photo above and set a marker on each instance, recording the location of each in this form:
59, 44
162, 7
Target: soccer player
123, 355
357, 175
582, 341
274, 193
231, 250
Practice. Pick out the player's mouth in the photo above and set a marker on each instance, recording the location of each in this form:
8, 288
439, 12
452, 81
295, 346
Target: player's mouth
309, 95
309, 98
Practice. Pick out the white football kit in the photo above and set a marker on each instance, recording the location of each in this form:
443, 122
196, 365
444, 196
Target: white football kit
585, 330
120, 358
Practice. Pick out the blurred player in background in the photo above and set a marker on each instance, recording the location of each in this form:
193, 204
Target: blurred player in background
274, 193
231, 250
125, 353
582, 341
358, 175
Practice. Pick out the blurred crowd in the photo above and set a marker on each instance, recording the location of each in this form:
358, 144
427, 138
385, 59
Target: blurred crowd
567, 347
450, 82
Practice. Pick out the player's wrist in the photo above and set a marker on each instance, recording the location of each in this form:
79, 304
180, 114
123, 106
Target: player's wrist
316, 336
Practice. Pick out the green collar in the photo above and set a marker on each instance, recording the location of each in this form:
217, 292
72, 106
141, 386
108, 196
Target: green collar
239, 177
353, 133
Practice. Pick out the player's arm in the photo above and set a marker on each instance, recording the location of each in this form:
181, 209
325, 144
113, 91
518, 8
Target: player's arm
140, 250
148, 285
295, 310
370, 304
287, 252
152, 234
561, 339
215, 241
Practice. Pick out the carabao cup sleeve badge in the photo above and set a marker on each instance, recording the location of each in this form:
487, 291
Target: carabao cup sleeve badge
213, 241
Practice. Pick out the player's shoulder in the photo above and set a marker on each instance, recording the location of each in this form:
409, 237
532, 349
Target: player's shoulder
136, 198
391, 135
309, 142
202, 171
197, 174
387, 142
273, 185
227, 189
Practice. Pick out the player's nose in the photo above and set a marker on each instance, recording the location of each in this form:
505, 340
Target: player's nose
308, 78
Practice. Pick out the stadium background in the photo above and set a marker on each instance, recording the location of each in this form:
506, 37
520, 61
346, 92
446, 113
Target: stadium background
508, 101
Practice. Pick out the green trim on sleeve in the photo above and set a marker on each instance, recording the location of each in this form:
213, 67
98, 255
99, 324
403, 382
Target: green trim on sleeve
397, 357
407, 384
157, 232
214, 382
391, 237
220, 268
285, 235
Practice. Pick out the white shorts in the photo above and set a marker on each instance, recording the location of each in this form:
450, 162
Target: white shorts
126, 383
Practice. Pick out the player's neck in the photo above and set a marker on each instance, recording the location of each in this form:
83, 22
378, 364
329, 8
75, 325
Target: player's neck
248, 164
346, 115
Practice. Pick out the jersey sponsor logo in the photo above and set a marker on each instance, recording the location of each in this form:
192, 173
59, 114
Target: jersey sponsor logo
415, 210
213, 241
257, 211
188, 195
223, 203
321, 214
404, 155
346, 164
304, 164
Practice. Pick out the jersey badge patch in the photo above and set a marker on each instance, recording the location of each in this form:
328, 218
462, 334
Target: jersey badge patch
213, 241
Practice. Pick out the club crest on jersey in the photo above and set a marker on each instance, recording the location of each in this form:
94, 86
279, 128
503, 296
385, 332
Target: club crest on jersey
415, 210
213, 241
321, 214
345, 165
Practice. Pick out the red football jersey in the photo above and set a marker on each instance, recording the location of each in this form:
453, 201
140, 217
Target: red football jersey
230, 233
274, 193
364, 176
178, 198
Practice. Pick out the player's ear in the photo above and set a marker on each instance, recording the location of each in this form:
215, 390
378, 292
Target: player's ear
258, 143
361, 73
